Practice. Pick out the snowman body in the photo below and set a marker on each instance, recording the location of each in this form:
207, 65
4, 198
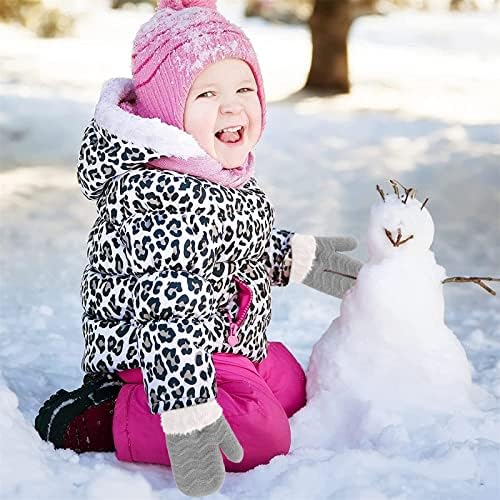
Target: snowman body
389, 356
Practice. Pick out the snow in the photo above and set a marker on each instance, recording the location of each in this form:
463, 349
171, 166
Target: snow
424, 109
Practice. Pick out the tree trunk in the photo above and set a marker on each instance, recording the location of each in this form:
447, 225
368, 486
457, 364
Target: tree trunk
252, 8
330, 23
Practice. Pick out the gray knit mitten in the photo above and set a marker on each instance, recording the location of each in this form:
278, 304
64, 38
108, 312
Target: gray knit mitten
318, 262
195, 456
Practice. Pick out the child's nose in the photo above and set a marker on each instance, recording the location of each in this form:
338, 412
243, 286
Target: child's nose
231, 107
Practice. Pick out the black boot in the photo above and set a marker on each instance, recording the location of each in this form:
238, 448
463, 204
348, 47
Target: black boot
81, 420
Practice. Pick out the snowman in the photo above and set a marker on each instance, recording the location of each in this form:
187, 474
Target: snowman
389, 359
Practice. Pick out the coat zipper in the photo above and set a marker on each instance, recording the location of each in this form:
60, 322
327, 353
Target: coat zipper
232, 338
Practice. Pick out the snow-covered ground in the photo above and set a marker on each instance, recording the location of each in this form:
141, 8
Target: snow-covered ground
424, 109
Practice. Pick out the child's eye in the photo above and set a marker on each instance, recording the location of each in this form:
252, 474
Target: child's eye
208, 93
244, 90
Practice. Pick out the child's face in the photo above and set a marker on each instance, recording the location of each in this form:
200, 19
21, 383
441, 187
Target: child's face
224, 96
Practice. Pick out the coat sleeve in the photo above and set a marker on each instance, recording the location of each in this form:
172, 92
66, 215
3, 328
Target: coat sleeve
278, 257
174, 311
174, 305
162, 321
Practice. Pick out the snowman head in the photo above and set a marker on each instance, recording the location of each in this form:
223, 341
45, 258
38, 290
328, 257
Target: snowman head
399, 225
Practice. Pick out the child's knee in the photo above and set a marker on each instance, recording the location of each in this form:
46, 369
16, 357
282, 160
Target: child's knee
254, 414
285, 377
137, 433
261, 426
261, 443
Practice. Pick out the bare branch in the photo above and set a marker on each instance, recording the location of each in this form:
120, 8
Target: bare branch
394, 185
487, 288
398, 242
389, 235
379, 189
399, 183
398, 239
339, 273
473, 279
406, 239
424, 203
410, 192
455, 279
405, 189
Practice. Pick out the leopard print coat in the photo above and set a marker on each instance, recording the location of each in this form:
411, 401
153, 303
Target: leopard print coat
178, 268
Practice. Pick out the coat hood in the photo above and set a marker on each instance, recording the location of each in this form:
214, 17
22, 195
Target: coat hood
118, 140
166, 140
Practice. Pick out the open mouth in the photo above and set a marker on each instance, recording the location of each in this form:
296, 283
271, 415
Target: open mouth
231, 135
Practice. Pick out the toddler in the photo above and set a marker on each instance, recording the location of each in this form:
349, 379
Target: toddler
181, 259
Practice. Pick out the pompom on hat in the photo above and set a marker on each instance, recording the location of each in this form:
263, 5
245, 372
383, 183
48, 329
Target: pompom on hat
174, 46
183, 4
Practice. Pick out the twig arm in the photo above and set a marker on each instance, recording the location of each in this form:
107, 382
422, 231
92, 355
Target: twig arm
456, 279
339, 273
473, 279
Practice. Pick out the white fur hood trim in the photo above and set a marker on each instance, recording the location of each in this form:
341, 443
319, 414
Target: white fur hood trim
165, 139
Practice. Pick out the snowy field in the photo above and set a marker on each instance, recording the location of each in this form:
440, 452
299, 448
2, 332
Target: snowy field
425, 109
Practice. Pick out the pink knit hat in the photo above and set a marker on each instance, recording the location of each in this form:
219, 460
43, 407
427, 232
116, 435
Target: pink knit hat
174, 46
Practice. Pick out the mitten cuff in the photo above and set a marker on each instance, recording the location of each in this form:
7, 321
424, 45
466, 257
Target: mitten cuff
303, 253
190, 418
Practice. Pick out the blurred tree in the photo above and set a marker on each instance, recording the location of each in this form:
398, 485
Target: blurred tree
13, 10
118, 4
283, 11
463, 5
33, 14
330, 23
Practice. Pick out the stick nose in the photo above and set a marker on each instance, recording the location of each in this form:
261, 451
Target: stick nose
399, 240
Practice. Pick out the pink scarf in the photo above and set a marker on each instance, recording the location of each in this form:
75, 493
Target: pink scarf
204, 167
209, 169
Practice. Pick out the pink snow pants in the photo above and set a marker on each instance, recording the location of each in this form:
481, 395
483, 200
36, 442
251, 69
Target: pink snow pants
256, 398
